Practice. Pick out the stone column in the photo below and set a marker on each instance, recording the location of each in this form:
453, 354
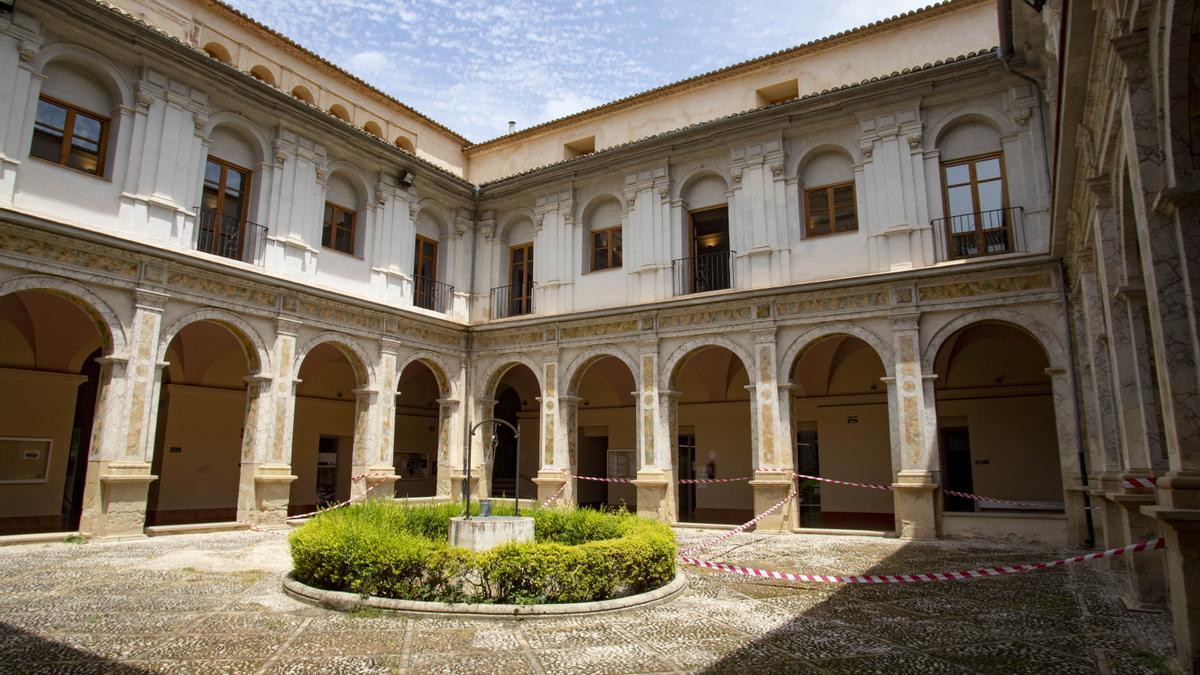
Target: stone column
656, 469
480, 442
1066, 425
263, 484
1102, 413
381, 432
554, 441
118, 474
917, 500
378, 476
772, 449
448, 422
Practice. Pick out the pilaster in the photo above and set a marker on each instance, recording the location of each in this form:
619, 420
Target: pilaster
917, 501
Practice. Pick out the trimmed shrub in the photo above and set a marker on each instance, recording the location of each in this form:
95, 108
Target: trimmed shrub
395, 551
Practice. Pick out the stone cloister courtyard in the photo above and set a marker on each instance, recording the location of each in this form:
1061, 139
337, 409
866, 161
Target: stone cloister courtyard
205, 603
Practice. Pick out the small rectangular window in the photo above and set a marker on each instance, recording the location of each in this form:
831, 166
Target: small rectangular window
69, 136
338, 230
606, 249
830, 209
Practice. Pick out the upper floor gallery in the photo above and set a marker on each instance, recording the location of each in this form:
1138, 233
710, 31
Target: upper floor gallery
140, 138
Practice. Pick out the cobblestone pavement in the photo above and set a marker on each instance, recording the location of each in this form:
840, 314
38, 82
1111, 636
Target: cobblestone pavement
213, 603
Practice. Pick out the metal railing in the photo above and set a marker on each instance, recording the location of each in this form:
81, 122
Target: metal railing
512, 300
708, 272
971, 235
230, 236
432, 294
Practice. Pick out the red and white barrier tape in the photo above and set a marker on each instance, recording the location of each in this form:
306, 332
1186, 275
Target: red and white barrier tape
979, 573
872, 486
551, 498
345, 502
702, 481
1142, 483
740, 528
604, 480
981, 498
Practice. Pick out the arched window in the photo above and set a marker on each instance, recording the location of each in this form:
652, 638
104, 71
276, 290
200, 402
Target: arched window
978, 221
405, 145
218, 52
708, 265
301, 92
224, 225
427, 292
373, 129
339, 112
602, 232
829, 203
72, 125
339, 230
263, 73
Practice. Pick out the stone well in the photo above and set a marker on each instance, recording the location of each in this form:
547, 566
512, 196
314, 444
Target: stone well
483, 533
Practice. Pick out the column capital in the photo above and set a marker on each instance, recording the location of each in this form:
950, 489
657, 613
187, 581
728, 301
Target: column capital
144, 298
448, 403
764, 335
287, 325
906, 321
389, 346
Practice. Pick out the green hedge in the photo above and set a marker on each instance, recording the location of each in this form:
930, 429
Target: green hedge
395, 551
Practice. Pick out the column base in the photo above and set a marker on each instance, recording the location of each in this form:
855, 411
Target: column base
549, 482
114, 499
1077, 523
770, 488
654, 496
1178, 515
379, 482
458, 478
1147, 581
264, 491
918, 512
1111, 533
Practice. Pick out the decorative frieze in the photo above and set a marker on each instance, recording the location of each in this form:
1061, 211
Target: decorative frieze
704, 318
993, 286
15, 239
598, 329
220, 287
814, 303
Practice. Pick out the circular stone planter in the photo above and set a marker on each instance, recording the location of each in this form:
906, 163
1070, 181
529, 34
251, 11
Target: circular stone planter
349, 602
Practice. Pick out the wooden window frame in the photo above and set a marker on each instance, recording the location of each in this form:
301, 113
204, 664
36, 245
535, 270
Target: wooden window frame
527, 264
248, 176
338, 208
609, 252
972, 160
64, 153
829, 190
417, 258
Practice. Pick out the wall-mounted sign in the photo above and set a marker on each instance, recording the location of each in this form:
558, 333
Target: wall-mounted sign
24, 460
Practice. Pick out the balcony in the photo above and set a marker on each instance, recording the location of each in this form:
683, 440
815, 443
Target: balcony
432, 294
702, 273
512, 300
230, 237
973, 235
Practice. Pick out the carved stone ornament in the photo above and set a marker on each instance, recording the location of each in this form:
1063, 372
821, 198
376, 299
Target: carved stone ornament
630, 200
27, 51
144, 98
199, 121
537, 221
914, 141
380, 196
776, 170
737, 177
867, 147
1021, 117
664, 194
322, 174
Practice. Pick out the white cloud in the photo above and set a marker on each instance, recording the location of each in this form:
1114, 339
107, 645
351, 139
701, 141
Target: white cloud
563, 104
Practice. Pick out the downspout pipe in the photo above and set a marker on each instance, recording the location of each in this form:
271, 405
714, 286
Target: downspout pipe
1005, 53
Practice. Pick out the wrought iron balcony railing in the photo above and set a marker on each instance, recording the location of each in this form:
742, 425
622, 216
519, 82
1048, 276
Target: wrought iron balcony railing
971, 235
432, 294
707, 272
230, 236
513, 300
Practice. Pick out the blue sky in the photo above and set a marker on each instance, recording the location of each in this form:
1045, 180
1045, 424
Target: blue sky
474, 65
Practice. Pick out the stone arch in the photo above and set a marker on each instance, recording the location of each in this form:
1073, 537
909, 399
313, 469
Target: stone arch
263, 74
803, 158
573, 375
496, 372
514, 216
258, 357
696, 175
441, 216
812, 335
436, 364
1037, 330
112, 331
359, 359
356, 177
91, 61
596, 200
262, 145
671, 368
973, 113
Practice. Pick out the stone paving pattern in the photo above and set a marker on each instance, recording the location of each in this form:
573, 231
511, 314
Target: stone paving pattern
213, 603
